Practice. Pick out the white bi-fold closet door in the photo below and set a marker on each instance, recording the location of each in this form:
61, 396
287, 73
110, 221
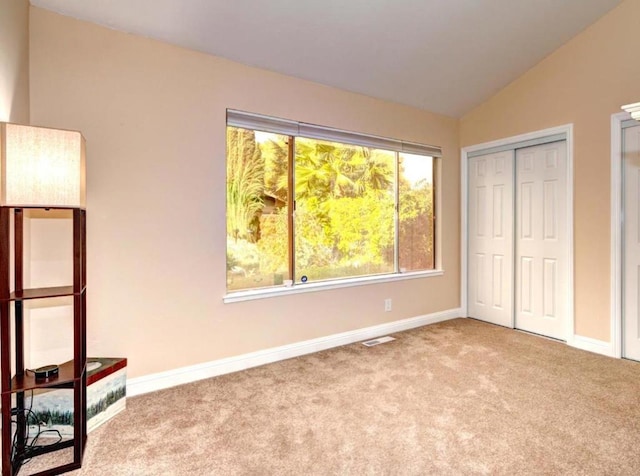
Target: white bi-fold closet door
518, 254
631, 237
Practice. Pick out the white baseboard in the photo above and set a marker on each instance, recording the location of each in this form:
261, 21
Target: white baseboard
593, 345
192, 373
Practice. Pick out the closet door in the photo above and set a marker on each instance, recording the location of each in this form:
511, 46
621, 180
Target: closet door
631, 237
490, 238
542, 254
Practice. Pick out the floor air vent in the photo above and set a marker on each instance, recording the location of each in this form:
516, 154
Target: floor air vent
378, 340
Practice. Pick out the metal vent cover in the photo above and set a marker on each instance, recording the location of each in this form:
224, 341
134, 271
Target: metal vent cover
378, 341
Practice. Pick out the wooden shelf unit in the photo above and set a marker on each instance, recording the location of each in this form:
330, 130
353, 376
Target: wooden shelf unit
18, 380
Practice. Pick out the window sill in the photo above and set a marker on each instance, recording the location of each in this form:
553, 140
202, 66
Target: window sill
298, 288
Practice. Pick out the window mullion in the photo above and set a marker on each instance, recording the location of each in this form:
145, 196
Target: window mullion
434, 214
291, 205
396, 215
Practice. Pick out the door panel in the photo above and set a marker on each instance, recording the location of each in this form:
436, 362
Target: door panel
631, 237
490, 238
542, 258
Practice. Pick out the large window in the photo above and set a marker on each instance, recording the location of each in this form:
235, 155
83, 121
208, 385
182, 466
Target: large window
307, 203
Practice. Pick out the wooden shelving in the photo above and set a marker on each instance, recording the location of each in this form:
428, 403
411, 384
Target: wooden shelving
16, 379
43, 293
66, 378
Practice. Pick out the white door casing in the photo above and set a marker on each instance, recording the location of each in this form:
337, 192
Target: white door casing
490, 238
631, 242
530, 139
542, 256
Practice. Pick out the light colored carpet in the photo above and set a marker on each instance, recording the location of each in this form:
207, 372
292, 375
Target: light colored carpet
458, 397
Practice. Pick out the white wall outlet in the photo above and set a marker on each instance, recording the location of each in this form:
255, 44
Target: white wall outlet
387, 304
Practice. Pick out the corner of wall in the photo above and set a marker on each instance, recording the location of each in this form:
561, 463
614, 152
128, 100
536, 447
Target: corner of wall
14, 70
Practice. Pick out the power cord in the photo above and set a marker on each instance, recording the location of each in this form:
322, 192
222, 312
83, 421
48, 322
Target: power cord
32, 445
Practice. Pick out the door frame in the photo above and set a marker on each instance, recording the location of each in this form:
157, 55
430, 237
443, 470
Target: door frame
567, 130
616, 233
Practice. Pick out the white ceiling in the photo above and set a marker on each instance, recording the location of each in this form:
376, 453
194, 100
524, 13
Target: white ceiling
446, 56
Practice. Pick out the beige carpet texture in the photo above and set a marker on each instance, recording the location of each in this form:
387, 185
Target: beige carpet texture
456, 398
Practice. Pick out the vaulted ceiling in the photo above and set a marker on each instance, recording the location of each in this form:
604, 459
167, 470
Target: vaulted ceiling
445, 56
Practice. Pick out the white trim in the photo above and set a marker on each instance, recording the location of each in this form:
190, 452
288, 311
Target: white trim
566, 129
298, 288
552, 131
464, 229
171, 378
593, 345
616, 232
518, 145
571, 328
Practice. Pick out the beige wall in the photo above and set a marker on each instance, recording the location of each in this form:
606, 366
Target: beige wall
583, 83
14, 61
154, 119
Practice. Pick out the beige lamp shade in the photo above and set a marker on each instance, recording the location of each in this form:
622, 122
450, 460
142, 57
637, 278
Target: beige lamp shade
41, 167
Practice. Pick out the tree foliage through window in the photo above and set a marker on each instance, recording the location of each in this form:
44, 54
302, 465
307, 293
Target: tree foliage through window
358, 210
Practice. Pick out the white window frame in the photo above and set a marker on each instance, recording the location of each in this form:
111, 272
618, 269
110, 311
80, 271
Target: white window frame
252, 121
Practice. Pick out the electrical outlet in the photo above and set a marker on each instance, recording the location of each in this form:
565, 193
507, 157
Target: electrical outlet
387, 304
